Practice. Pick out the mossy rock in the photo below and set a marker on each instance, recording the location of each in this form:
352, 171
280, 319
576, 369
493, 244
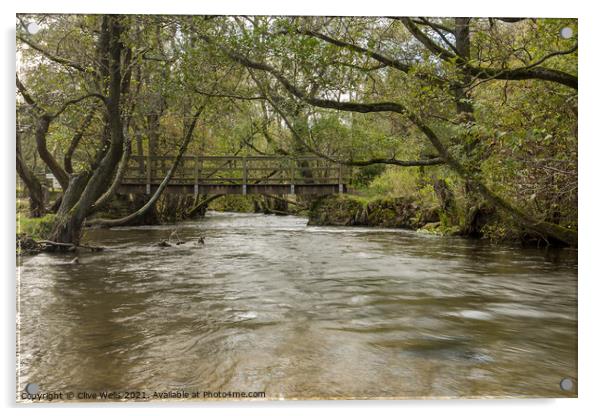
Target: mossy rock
439, 228
348, 210
335, 210
430, 228
394, 213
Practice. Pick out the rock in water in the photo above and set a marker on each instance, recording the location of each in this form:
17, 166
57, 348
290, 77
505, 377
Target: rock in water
201, 240
163, 243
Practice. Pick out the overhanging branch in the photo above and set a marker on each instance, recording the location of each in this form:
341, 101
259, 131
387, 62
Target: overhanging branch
318, 102
514, 74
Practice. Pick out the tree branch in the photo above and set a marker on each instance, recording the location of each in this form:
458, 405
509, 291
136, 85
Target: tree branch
347, 106
392, 161
29, 100
371, 53
77, 100
441, 35
123, 165
75, 141
431, 24
26, 96
52, 57
227, 95
513, 74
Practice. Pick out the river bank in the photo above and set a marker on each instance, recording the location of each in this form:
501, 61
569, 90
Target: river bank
346, 210
391, 212
331, 210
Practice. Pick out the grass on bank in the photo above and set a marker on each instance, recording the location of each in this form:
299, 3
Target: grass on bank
36, 228
393, 182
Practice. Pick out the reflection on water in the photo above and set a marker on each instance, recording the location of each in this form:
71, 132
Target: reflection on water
269, 304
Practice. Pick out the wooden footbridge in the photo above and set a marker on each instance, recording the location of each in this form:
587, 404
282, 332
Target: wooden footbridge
273, 175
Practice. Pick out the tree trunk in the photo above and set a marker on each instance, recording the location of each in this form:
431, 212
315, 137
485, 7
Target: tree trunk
153, 140
123, 165
56, 169
446, 200
465, 111
75, 141
463, 105
199, 209
33, 185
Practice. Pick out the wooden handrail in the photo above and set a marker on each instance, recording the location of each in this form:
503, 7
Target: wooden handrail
238, 170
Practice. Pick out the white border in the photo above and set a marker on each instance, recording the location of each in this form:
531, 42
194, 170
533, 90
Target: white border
590, 204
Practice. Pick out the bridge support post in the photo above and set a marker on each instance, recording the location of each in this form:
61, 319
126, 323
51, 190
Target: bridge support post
340, 178
196, 177
291, 168
244, 175
149, 171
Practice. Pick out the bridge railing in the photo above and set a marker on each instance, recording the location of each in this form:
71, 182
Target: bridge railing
237, 170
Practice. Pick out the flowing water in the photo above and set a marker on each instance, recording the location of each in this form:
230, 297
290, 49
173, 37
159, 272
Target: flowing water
271, 305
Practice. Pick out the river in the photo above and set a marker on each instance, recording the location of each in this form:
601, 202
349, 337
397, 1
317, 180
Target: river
269, 304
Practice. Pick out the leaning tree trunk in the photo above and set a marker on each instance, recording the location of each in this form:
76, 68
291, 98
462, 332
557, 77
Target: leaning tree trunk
201, 207
33, 185
109, 193
56, 169
43, 121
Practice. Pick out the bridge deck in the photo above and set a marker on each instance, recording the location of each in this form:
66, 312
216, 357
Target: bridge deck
274, 175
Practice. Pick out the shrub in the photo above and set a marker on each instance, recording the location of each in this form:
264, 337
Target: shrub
397, 182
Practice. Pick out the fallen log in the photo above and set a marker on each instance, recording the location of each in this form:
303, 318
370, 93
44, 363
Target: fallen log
66, 246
